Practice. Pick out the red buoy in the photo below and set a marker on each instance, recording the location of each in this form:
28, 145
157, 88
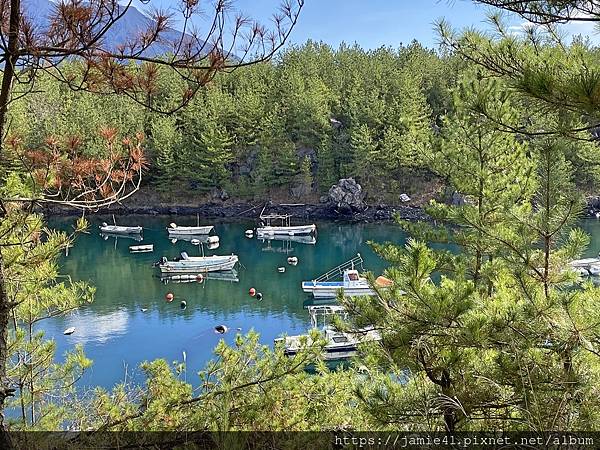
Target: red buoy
199, 278
169, 297
252, 292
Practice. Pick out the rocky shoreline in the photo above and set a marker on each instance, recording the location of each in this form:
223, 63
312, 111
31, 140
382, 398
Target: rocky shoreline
370, 213
344, 202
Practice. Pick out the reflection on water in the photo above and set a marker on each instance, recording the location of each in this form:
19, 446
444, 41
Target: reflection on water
115, 236
130, 321
95, 327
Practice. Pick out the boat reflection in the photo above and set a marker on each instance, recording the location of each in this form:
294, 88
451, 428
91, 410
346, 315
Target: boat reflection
200, 238
228, 275
286, 242
135, 237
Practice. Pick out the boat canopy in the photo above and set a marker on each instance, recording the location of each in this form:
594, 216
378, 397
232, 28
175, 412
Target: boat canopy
284, 219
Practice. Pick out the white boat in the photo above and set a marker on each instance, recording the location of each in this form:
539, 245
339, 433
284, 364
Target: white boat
268, 227
119, 230
339, 344
197, 264
175, 230
141, 248
298, 230
351, 283
586, 267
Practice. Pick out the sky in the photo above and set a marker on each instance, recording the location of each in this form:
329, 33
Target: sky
376, 23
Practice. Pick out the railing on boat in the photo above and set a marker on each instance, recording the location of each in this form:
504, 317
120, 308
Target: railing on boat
337, 271
322, 312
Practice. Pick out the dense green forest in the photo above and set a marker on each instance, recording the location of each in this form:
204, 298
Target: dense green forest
499, 336
291, 127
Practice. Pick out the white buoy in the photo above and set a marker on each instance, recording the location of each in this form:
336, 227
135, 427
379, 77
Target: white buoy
144, 309
249, 233
213, 239
281, 269
195, 242
70, 330
172, 225
292, 260
598, 215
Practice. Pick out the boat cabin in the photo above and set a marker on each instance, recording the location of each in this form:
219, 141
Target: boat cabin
351, 277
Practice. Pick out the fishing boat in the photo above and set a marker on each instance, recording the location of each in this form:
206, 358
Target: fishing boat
119, 230
141, 248
351, 283
339, 344
177, 231
586, 266
280, 224
197, 264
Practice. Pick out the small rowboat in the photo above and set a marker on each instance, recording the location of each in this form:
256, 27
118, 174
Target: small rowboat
117, 229
69, 331
175, 230
141, 248
197, 264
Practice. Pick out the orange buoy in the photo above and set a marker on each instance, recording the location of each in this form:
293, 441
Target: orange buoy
252, 292
169, 297
199, 278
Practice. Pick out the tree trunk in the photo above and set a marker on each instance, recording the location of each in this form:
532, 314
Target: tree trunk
5, 389
450, 418
5, 308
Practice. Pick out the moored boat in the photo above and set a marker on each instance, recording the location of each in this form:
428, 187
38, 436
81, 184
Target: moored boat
339, 345
197, 264
586, 266
351, 283
141, 248
175, 230
119, 230
280, 225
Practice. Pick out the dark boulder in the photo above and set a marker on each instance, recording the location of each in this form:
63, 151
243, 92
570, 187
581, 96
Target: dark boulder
347, 195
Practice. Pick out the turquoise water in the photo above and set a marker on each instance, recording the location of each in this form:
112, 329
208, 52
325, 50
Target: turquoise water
117, 335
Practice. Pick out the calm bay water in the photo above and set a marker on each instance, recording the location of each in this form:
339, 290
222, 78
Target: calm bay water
116, 334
